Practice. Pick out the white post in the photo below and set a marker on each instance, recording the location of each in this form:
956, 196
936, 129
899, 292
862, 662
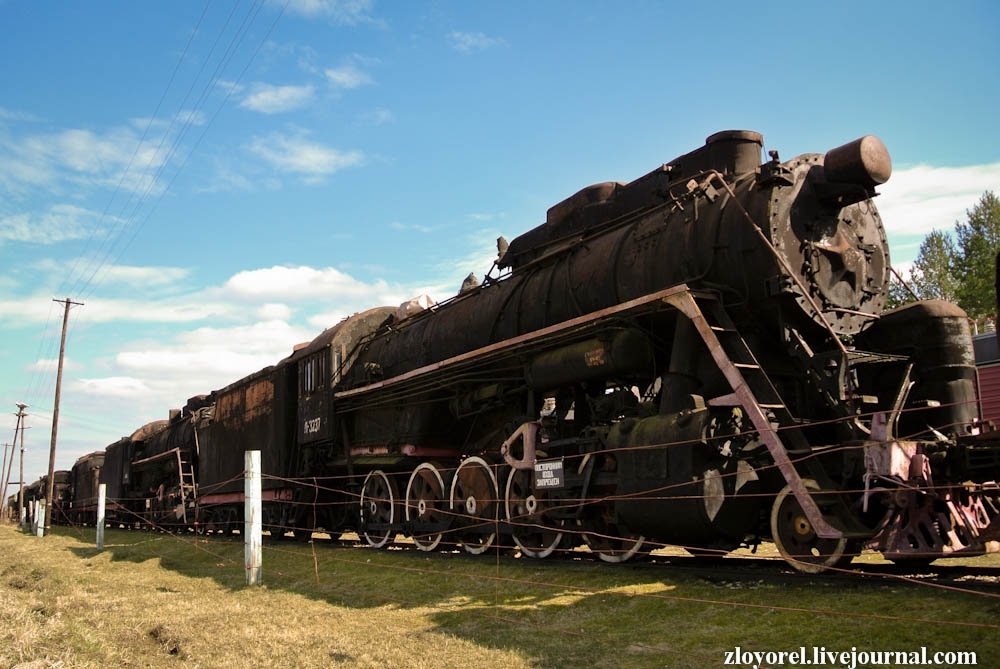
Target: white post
102, 493
40, 518
254, 527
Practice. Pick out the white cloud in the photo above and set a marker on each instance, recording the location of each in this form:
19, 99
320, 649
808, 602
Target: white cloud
378, 116
269, 99
67, 159
305, 284
226, 179
347, 76
87, 152
348, 12
270, 337
266, 293
396, 225
62, 222
202, 362
229, 87
917, 200
200, 359
470, 42
133, 276
210, 357
112, 386
27, 311
298, 155
182, 309
274, 312
159, 374
12, 115
329, 294
191, 117
52, 365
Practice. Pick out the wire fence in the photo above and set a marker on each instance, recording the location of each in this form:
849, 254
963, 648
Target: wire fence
490, 509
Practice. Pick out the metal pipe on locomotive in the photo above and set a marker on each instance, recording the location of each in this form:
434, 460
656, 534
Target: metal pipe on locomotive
698, 357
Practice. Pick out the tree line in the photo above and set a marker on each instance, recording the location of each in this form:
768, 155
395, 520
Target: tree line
959, 267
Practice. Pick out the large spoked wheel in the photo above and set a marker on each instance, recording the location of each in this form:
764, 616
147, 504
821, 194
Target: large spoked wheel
425, 510
378, 508
611, 541
796, 539
534, 532
474, 501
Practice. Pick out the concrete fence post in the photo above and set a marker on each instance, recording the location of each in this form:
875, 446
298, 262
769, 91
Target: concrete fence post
102, 493
253, 527
40, 509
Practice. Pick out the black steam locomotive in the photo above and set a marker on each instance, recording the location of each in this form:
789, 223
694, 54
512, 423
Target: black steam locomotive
698, 357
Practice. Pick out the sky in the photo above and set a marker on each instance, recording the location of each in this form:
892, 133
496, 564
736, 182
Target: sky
218, 181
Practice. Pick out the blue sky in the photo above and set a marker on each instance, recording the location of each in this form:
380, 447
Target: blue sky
219, 181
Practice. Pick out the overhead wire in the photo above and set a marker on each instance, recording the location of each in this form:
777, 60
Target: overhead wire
84, 274
128, 167
45, 345
201, 136
167, 151
46, 341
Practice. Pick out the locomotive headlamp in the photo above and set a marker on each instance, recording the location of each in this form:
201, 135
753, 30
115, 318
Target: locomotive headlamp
864, 162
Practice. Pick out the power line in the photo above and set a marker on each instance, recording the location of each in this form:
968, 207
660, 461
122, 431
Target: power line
231, 49
112, 246
142, 139
20, 479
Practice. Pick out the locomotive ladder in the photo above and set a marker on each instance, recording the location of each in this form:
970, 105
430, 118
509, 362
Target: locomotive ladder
752, 390
189, 488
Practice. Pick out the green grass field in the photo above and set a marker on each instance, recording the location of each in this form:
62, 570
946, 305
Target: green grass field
154, 600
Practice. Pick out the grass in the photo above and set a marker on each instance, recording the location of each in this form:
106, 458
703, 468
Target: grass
153, 600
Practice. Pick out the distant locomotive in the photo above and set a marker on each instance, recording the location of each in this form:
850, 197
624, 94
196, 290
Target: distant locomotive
698, 357
36, 492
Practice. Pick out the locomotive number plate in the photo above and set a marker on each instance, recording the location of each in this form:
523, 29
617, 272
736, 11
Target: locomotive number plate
311, 426
549, 474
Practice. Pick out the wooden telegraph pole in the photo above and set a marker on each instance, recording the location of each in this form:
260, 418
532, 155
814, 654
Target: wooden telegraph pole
21, 406
8, 467
55, 414
4, 473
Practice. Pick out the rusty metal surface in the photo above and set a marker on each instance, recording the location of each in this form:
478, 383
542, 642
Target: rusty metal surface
84, 478
779, 453
935, 336
864, 161
673, 234
254, 413
333, 352
116, 474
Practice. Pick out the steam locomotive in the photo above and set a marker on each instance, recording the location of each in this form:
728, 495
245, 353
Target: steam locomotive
699, 357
